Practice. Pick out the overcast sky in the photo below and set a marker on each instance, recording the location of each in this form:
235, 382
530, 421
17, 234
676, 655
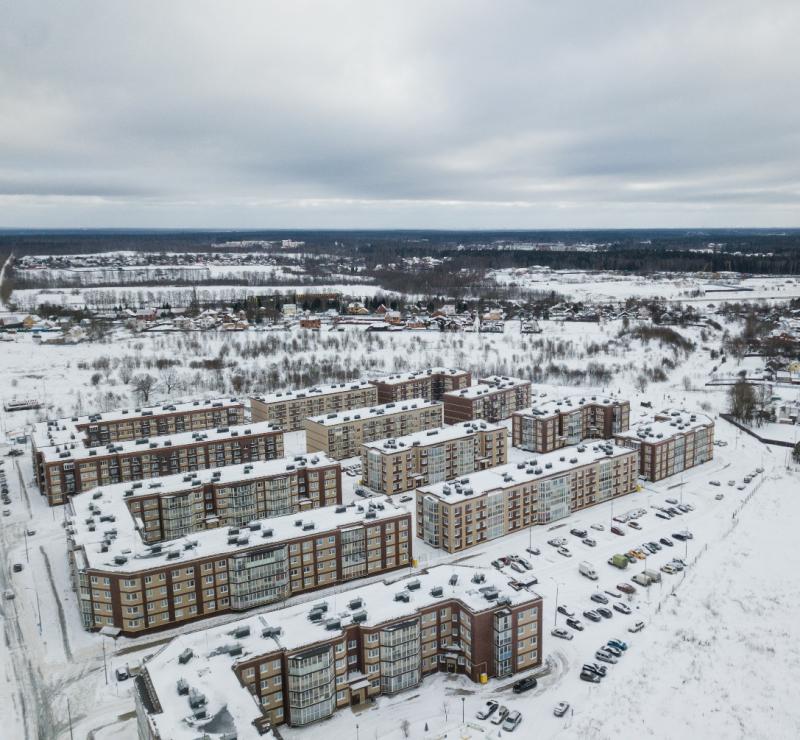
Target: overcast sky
494, 114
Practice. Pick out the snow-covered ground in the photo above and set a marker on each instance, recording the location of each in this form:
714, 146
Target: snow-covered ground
716, 659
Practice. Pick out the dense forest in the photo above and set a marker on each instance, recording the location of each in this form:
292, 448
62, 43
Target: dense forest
635, 251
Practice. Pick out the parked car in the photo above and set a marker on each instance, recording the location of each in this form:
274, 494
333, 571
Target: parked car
497, 564
488, 709
620, 644
605, 656
666, 541
524, 684
714, 483
670, 569
615, 651
17, 567
719, 497
565, 552
655, 545
589, 542
617, 530
525, 563
499, 716
677, 564
579, 533
561, 633
671, 500
604, 612
626, 588
512, 721
533, 551
557, 542
663, 515
598, 527
561, 708
731, 482
404, 499
740, 488
599, 598
622, 607
9, 595
636, 627
592, 615
122, 674
590, 677
613, 594
597, 668
684, 508
562, 609
576, 624
517, 567
634, 525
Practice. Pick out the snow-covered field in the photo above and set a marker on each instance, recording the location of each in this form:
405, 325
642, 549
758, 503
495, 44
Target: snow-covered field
717, 659
613, 286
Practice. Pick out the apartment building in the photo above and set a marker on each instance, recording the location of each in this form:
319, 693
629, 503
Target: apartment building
550, 425
179, 505
300, 664
430, 384
120, 425
289, 409
670, 442
125, 583
474, 509
494, 398
68, 469
341, 435
397, 465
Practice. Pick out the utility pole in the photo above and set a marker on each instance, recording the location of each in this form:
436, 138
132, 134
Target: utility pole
105, 665
69, 717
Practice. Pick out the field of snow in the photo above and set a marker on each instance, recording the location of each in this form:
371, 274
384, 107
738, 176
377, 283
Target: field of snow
717, 658
611, 286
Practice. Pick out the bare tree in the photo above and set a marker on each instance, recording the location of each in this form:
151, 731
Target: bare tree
143, 384
170, 379
742, 401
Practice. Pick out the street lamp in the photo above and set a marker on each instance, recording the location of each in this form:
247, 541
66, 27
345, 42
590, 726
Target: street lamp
555, 611
462, 711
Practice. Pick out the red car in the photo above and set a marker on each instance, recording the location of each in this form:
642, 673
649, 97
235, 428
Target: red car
617, 530
626, 588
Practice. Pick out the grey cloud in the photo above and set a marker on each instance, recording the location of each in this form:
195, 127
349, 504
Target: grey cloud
447, 114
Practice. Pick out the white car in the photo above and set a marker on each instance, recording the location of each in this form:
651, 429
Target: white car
499, 716
598, 527
512, 721
714, 483
562, 633
488, 709
636, 627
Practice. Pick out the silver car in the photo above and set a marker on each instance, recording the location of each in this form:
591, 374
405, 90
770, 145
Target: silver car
512, 721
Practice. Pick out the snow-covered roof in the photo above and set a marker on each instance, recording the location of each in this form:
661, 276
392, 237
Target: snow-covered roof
666, 424
418, 374
371, 412
492, 384
316, 391
433, 436
127, 552
170, 484
210, 669
60, 431
553, 406
535, 468
77, 450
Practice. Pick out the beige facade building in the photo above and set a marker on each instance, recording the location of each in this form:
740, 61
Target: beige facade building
397, 465
179, 505
341, 435
68, 469
125, 583
463, 513
289, 409
494, 398
430, 384
302, 663
557, 423
670, 442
